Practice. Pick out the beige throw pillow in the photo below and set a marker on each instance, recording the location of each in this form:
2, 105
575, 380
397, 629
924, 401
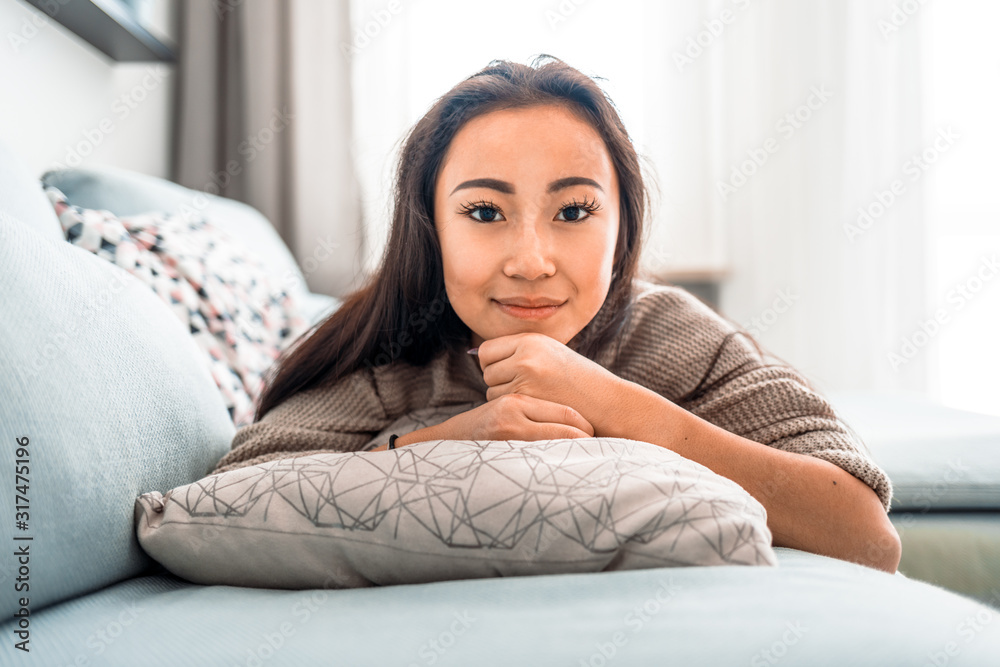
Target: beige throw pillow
453, 509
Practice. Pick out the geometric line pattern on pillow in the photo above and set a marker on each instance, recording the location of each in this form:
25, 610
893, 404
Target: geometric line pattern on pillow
436, 486
217, 288
587, 503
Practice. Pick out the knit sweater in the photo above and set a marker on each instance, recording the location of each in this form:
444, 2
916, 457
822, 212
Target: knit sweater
667, 345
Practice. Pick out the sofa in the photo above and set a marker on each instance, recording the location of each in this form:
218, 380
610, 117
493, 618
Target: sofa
103, 398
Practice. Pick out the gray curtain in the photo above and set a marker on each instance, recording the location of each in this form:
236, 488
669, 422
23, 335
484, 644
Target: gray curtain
263, 116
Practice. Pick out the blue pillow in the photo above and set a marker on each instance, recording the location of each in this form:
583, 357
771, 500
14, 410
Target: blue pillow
110, 399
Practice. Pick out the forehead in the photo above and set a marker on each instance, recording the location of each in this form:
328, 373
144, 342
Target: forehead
549, 141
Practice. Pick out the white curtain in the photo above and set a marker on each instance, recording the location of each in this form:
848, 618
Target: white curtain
781, 120
705, 88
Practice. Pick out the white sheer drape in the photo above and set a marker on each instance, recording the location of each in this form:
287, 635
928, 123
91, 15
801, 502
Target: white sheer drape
812, 114
705, 88
963, 205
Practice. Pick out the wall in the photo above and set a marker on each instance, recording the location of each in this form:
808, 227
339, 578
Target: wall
64, 102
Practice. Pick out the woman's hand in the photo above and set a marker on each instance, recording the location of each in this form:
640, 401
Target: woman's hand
540, 367
516, 417
513, 417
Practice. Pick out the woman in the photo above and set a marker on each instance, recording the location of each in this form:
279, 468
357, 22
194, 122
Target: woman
517, 228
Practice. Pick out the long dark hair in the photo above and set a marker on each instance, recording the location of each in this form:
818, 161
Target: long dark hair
402, 310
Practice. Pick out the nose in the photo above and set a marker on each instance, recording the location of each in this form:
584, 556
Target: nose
530, 253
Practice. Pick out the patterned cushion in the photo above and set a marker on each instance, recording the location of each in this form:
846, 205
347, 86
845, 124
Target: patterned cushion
452, 509
217, 288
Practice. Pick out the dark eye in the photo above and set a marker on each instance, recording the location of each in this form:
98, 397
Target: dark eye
578, 211
488, 212
573, 213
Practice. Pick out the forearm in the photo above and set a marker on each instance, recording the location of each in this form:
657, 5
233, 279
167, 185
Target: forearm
420, 435
811, 504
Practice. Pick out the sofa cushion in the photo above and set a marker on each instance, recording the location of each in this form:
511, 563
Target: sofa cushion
111, 394
810, 611
938, 458
453, 509
219, 290
126, 193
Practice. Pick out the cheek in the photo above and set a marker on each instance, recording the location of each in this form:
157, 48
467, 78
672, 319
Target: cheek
465, 273
466, 268
595, 251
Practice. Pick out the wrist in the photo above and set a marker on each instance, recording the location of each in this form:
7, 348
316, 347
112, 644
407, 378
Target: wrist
420, 435
613, 408
629, 400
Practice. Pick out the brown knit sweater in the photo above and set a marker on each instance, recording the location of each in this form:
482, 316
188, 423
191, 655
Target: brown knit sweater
667, 345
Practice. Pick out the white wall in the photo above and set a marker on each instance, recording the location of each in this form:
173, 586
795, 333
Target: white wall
65, 102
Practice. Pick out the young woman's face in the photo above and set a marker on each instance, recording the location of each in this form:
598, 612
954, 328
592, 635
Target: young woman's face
526, 209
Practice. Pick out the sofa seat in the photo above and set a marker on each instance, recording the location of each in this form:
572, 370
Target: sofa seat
810, 610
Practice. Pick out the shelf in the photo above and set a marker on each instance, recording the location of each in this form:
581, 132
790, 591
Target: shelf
110, 26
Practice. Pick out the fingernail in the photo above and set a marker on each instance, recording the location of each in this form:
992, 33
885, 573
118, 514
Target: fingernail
474, 351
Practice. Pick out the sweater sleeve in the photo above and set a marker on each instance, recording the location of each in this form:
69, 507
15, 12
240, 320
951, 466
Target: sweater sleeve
741, 392
338, 418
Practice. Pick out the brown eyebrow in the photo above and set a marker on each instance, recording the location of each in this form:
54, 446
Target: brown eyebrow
508, 188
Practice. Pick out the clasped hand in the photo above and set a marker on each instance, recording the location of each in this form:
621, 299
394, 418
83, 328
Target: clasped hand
539, 389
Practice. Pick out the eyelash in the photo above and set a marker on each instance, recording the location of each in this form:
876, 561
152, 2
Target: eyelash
589, 206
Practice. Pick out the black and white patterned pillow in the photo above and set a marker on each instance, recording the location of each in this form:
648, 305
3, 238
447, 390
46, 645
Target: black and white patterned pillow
217, 288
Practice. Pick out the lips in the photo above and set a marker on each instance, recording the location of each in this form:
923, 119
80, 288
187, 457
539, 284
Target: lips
523, 302
546, 309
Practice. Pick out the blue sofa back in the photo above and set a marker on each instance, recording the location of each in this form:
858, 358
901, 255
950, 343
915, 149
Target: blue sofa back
103, 396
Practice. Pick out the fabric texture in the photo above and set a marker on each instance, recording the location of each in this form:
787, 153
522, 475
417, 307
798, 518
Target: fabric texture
839, 614
106, 388
21, 196
452, 509
668, 345
217, 288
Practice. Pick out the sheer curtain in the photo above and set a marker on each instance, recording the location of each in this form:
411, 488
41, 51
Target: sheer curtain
789, 117
963, 203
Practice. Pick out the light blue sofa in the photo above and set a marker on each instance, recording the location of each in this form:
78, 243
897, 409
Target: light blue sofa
107, 388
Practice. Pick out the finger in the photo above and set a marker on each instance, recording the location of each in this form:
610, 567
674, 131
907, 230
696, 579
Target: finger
564, 431
495, 349
542, 411
493, 393
559, 432
501, 372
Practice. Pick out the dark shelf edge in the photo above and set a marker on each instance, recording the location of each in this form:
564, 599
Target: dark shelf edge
108, 26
